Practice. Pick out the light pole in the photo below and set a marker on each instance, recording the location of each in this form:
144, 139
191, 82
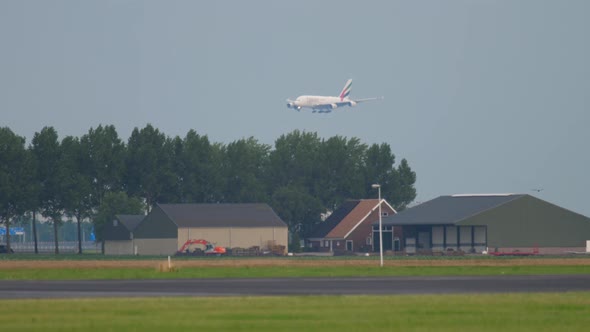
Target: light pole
378, 186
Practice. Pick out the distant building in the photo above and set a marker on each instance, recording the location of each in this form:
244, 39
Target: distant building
168, 226
476, 223
349, 228
118, 235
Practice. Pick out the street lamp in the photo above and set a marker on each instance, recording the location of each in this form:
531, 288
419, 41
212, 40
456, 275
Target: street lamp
378, 186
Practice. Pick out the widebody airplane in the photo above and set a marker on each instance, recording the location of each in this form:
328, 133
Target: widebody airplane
325, 104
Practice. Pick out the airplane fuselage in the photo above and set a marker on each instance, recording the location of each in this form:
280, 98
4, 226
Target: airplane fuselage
320, 102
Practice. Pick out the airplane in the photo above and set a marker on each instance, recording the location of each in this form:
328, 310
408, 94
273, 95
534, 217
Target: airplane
325, 104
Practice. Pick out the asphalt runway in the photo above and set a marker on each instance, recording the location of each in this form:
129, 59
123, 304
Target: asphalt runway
10, 289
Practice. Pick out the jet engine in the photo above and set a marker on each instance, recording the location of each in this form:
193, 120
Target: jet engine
333, 106
293, 106
352, 103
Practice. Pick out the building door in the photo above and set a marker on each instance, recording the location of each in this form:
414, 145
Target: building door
424, 240
376, 240
396, 244
349, 245
479, 238
388, 241
387, 238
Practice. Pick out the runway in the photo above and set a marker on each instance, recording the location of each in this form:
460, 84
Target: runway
292, 286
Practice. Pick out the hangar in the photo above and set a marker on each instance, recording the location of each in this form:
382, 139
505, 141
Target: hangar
168, 226
489, 222
118, 235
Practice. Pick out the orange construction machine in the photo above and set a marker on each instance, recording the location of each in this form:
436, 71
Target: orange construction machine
210, 249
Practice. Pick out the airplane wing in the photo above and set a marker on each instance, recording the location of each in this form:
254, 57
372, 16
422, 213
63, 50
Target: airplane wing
367, 99
351, 102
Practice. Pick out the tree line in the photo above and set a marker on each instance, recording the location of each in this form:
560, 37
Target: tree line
99, 175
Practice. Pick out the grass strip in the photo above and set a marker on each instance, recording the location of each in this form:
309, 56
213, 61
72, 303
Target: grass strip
489, 312
283, 271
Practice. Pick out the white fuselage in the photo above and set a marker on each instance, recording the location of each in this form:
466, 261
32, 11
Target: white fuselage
319, 102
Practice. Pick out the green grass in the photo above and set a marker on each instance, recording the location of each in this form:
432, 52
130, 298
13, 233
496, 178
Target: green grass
324, 270
284, 271
503, 312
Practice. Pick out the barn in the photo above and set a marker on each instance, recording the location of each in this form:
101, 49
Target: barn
168, 226
502, 223
118, 235
348, 228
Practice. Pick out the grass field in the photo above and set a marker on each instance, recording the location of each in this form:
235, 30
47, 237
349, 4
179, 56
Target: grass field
85, 267
482, 312
279, 272
504, 312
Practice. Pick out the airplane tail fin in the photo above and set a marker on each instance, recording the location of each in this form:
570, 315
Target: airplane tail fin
346, 90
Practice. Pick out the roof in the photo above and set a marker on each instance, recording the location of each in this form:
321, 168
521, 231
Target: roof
334, 219
222, 215
449, 210
121, 230
358, 214
130, 221
346, 218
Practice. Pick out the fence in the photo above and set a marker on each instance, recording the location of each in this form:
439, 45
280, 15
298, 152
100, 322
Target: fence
49, 247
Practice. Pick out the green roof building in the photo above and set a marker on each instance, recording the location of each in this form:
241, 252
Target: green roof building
506, 223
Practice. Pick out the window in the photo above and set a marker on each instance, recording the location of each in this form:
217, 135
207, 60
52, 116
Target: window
115, 222
384, 214
326, 244
369, 241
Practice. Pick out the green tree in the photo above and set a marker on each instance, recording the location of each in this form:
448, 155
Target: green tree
76, 183
149, 171
217, 182
397, 184
308, 176
379, 161
176, 192
244, 168
104, 161
15, 178
301, 177
342, 170
295, 160
296, 207
34, 190
295, 180
112, 204
46, 149
196, 168
403, 192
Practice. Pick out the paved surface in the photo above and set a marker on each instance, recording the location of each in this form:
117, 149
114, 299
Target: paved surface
292, 286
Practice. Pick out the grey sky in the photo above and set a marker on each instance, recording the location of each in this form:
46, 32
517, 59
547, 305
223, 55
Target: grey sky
480, 96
